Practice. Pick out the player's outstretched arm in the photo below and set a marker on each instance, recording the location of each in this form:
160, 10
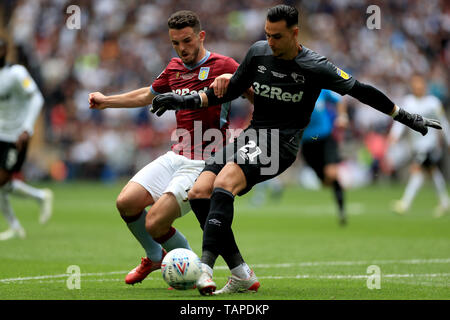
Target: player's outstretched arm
133, 99
378, 100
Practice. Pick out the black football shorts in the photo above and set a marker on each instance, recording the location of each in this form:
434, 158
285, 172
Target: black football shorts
11, 159
262, 154
319, 153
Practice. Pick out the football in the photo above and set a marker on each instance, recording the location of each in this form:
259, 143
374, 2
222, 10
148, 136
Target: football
181, 268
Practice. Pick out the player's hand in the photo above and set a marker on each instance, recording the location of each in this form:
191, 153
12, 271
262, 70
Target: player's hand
97, 101
172, 101
220, 84
22, 141
417, 122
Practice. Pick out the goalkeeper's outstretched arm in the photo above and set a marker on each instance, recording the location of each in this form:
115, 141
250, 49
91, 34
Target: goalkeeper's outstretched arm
378, 100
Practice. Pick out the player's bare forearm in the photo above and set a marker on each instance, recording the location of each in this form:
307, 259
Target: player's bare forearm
137, 98
133, 99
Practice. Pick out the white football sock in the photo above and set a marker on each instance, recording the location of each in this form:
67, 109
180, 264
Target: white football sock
242, 271
21, 188
439, 183
7, 210
414, 184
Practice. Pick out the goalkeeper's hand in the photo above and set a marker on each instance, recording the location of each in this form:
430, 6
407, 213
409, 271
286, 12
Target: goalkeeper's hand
417, 122
172, 101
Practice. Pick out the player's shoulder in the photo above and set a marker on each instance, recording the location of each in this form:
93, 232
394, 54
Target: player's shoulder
18, 70
260, 48
221, 59
409, 97
218, 56
309, 59
175, 62
409, 101
223, 63
433, 100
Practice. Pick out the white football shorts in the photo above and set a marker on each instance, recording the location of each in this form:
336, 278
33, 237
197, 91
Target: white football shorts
172, 173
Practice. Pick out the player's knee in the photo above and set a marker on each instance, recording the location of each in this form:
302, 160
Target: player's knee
223, 183
201, 192
231, 180
330, 174
127, 206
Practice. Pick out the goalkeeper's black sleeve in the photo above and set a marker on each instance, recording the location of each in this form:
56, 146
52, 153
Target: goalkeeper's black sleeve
372, 97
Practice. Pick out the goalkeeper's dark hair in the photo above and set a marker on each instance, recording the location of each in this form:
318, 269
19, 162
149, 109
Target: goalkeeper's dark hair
184, 18
283, 12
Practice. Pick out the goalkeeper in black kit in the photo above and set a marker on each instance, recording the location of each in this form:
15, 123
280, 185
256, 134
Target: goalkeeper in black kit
286, 78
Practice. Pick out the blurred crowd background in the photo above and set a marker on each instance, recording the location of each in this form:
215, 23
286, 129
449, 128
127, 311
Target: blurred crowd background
124, 45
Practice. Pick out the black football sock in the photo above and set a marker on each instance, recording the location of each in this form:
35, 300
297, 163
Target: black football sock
201, 209
339, 196
209, 258
218, 236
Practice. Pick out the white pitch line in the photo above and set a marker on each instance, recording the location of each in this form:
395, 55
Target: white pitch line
261, 266
299, 276
64, 275
344, 263
360, 276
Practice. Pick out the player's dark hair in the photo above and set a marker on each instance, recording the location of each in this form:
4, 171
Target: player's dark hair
4, 50
184, 18
283, 12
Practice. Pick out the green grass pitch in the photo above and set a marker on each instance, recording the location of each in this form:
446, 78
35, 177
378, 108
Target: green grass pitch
295, 246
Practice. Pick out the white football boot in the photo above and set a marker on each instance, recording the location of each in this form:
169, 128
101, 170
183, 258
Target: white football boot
441, 210
13, 233
239, 285
399, 207
46, 206
205, 284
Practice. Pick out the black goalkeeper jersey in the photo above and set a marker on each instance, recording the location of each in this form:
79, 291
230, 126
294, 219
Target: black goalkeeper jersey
286, 90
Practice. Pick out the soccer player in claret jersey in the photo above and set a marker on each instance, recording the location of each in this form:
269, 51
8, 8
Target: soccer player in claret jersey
427, 151
287, 79
20, 105
163, 184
